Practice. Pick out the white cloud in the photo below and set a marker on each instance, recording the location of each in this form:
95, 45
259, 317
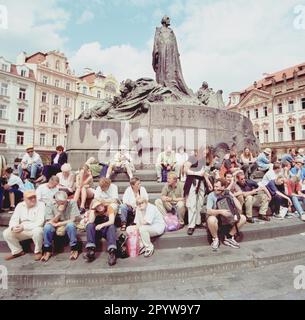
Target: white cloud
85, 17
33, 24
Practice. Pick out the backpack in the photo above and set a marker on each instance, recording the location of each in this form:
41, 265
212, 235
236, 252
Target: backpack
121, 243
172, 222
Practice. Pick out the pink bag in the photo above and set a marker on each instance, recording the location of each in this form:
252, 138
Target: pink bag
172, 222
133, 241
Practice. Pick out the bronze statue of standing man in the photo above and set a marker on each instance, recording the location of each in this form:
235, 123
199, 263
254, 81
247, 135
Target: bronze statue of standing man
166, 59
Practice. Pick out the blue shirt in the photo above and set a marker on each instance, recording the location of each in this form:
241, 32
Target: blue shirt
287, 157
262, 161
212, 201
298, 172
273, 188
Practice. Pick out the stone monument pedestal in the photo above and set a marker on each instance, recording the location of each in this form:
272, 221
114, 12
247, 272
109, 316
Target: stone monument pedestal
165, 124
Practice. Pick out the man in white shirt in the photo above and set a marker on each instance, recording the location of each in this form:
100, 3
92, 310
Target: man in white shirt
271, 174
26, 223
166, 161
14, 187
31, 162
109, 192
47, 191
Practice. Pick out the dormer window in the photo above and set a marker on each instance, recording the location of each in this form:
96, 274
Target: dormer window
84, 90
4, 67
57, 65
23, 73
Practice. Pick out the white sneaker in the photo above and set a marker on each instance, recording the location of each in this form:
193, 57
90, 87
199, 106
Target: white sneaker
303, 217
215, 244
231, 242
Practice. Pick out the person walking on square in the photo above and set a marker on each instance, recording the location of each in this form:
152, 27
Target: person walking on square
101, 225
196, 186
61, 217
26, 223
131, 194
172, 199
31, 162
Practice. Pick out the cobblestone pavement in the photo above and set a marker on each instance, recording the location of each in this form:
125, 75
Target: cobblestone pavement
271, 282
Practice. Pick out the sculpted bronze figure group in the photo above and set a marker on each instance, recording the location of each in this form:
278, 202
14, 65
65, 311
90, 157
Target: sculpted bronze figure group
136, 97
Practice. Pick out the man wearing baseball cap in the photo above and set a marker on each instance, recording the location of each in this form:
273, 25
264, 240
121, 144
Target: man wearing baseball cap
31, 162
26, 223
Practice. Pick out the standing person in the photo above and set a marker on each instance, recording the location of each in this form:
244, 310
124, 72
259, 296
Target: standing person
150, 223
66, 179
84, 190
196, 186
166, 161
26, 223
172, 199
280, 200
181, 158
108, 192
58, 159
248, 162
60, 217
14, 187
31, 162
131, 194
263, 160
254, 196
101, 225
46, 192
122, 160
214, 216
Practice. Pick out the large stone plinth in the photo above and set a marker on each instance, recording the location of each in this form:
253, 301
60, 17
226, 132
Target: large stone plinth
178, 125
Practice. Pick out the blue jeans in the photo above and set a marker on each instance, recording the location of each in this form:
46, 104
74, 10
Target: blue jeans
49, 232
125, 212
297, 204
108, 233
34, 169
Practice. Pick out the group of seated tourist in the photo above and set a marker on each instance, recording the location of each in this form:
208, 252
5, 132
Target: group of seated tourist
201, 189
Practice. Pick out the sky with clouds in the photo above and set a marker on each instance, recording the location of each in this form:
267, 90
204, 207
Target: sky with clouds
229, 43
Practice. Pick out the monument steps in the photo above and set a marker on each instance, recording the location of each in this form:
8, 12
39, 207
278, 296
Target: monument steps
180, 239
167, 264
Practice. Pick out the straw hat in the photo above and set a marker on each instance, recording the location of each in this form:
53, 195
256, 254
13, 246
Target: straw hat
268, 151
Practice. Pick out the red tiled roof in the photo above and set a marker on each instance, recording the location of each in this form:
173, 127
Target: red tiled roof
37, 57
14, 72
90, 77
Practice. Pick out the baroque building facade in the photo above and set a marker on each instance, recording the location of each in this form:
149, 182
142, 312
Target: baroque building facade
276, 107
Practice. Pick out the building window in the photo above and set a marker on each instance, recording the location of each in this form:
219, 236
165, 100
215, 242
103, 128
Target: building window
3, 111
56, 100
281, 134
4, 67
68, 86
303, 132
20, 138
22, 93
45, 79
266, 111
266, 136
44, 97
2, 136
57, 65
248, 114
84, 90
67, 102
21, 115
99, 94
23, 73
57, 83
280, 108
291, 106
257, 135
292, 133
42, 139
55, 118
67, 119
303, 103
4, 89
82, 106
43, 116
54, 140
256, 113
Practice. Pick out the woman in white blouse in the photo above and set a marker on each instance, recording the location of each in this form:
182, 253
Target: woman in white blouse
131, 194
66, 179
